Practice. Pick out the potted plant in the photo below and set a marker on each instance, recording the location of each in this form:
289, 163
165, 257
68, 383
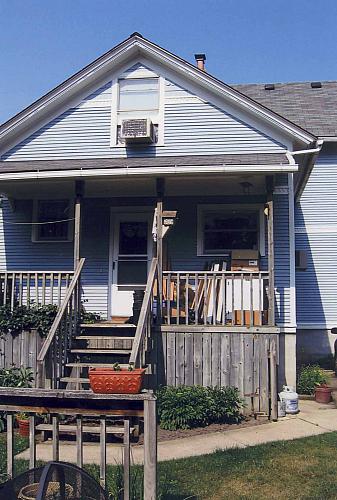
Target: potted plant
323, 393
116, 380
23, 422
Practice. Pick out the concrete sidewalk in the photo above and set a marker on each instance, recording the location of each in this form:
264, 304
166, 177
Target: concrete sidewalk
312, 420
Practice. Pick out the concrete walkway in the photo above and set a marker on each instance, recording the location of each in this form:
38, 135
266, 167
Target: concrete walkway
312, 420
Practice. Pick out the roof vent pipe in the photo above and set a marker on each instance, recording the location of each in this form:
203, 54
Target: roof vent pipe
200, 59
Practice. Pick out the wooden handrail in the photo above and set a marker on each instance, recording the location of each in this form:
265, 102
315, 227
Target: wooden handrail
60, 312
143, 312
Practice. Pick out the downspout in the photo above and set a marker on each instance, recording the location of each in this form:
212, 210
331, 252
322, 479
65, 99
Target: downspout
313, 152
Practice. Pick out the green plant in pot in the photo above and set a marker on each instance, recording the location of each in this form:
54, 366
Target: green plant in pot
23, 422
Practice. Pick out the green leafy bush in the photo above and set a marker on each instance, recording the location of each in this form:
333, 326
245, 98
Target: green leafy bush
309, 377
16, 377
24, 318
186, 407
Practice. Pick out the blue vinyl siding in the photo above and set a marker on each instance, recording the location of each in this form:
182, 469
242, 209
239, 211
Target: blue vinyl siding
316, 234
192, 127
18, 251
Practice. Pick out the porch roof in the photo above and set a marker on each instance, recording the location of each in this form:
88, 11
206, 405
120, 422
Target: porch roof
264, 159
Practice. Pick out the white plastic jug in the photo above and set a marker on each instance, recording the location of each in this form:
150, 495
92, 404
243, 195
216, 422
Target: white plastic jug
290, 397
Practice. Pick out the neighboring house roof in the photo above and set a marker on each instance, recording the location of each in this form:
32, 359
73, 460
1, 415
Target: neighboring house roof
164, 161
14, 130
314, 109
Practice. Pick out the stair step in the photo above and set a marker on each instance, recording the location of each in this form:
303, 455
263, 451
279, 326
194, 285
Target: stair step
101, 351
107, 325
95, 365
75, 380
71, 429
102, 337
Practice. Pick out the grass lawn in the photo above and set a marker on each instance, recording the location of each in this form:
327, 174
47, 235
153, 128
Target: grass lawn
301, 469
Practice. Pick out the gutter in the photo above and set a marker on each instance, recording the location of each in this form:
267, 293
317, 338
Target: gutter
146, 171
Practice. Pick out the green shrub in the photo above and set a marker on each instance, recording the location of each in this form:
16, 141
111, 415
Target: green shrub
24, 318
309, 377
16, 377
186, 407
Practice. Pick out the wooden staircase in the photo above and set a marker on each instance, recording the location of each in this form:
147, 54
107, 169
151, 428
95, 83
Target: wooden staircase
98, 345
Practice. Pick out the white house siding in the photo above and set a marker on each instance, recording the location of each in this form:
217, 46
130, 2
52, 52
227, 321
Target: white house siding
192, 127
316, 235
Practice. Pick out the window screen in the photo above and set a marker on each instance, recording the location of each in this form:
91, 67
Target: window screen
138, 94
48, 212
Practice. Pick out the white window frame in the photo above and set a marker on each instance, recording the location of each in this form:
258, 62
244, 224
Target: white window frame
70, 236
224, 208
158, 120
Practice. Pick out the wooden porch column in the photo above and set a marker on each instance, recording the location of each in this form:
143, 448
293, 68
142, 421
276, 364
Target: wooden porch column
271, 264
160, 184
79, 188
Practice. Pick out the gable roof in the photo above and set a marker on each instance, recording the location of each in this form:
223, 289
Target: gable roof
16, 128
314, 109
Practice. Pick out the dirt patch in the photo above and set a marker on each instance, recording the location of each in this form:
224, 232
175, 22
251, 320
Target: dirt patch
164, 435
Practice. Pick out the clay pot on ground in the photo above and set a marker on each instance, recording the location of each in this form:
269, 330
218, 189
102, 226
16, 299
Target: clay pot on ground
323, 394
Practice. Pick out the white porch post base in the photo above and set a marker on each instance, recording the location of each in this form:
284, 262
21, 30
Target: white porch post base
287, 366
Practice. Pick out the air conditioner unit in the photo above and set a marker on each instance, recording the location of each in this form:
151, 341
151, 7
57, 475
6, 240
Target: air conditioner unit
138, 130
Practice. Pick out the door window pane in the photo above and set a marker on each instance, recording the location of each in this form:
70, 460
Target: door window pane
132, 272
133, 238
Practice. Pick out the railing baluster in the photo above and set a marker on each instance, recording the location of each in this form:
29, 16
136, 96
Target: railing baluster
59, 286
126, 458
242, 300
168, 298
251, 319
10, 445
28, 289
196, 299
37, 289
102, 443
233, 301
51, 288
56, 438
43, 298
214, 309
20, 289
260, 301
79, 441
5, 288
13, 290
178, 298
205, 293
186, 298
32, 443
223, 288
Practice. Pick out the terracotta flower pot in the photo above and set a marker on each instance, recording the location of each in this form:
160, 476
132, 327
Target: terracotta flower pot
109, 381
323, 394
23, 427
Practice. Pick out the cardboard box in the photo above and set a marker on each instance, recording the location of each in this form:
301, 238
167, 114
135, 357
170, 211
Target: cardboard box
245, 260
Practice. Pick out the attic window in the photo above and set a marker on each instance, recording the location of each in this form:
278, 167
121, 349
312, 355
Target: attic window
138, 98
141, 94
269, 86
316, 85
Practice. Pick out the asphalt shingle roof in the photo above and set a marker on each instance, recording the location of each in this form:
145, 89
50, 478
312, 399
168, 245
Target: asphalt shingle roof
313, 109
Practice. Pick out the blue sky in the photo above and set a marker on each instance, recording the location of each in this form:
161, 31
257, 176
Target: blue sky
42, 42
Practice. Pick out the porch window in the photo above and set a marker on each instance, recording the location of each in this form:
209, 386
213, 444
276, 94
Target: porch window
223, 229
51, 218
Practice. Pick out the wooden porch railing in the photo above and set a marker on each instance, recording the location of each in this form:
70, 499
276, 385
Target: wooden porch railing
216, 298
33, 287
83, 405
145, 321
58, 342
